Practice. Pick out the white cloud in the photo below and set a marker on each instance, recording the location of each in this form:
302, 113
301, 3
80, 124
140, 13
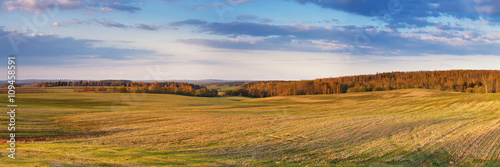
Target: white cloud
56, 24
38, 6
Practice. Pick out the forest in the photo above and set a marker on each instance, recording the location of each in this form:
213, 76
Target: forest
226, 84
467, 81
126, 86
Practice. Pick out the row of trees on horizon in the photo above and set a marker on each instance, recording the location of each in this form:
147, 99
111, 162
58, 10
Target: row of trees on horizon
124, 86
469, 81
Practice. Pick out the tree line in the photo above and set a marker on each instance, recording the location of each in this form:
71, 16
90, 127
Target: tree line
86, 83
469, 81
222, 84
125, 86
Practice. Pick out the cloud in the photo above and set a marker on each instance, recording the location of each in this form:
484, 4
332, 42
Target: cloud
107, 23
116, 6
39, 6
56, 24
220, 4
449, 27
110, 24
488, 6
253, 18
73, 22
447, 39
47, 49
195, 22
148, 27
265, 30
413, 12
272, 43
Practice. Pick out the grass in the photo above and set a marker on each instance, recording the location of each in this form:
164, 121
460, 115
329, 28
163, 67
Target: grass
392, 128
222, 88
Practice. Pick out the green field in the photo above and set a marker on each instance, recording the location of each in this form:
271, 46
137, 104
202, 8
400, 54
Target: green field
400, 128
222, 88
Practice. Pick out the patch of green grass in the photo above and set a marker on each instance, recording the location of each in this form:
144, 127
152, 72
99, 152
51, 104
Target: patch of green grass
76, 154
222, 88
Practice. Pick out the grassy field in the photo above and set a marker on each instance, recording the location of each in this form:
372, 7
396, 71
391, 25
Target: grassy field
222, 88
399, 128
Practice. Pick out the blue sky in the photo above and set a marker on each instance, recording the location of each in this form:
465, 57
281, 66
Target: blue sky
246, 39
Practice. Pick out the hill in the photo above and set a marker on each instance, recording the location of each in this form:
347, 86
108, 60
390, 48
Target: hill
398, 127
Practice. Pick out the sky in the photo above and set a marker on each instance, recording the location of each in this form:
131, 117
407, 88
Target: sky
245, 39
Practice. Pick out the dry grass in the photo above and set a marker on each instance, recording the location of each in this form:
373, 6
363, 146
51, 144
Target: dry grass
408, 127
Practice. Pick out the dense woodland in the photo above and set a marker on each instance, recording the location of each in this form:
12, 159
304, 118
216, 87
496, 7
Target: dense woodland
125, 86
221, 84
469, 81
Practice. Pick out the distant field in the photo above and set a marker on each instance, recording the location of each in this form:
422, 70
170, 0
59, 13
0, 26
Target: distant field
222, 88
24, 90
402, 127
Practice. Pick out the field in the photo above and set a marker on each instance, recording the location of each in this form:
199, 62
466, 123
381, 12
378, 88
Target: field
57, 127
222, 88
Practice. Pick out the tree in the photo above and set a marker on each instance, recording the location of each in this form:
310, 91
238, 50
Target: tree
486, 81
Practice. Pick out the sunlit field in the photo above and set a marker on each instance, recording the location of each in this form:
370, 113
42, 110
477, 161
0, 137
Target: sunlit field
400, 127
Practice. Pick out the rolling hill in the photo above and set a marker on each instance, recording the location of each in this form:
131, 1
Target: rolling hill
398, 127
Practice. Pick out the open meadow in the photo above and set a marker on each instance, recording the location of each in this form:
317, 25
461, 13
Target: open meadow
57, 127
356, 83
